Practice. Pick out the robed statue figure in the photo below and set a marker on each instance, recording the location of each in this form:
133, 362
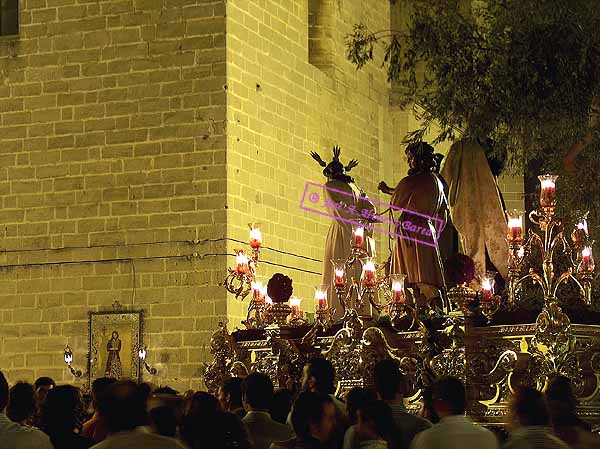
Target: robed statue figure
422, 191
114, 368
356, 207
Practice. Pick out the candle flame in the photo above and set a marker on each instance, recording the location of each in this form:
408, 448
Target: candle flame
268, 300
295, 302
586, 252
241, 259
256, 235
515, 222
369, 266
548, 183
583, 225
486, 284
397, 286
521, 252
142, 354
339, 272
360, 232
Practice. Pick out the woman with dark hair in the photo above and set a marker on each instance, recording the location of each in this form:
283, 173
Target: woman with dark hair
21, 403
61, 416
376, 428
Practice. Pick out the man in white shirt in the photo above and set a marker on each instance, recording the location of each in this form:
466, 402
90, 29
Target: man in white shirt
14, 435
124, 410
257, 394
455, 430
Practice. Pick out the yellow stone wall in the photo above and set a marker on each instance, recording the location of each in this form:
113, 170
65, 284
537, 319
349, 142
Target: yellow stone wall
112, 161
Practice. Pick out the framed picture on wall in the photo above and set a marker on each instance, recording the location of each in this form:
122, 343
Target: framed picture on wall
115, 338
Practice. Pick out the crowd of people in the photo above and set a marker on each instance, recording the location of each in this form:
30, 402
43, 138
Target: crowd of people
249, 414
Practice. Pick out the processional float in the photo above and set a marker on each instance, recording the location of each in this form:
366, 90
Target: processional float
490, 342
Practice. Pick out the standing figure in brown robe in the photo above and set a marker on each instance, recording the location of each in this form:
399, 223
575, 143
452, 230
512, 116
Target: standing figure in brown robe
422, 191
339, 236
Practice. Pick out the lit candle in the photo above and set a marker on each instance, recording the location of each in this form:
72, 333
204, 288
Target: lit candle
268, 300
340, 280
587, 260
255, 238
515, 226
582, 225
321, 299
241, 259
398, 288
487, 285
369, 273
548, 190
295, 305
359, 237
580, 233
257, 291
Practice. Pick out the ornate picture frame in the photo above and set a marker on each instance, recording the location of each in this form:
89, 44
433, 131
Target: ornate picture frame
115, 338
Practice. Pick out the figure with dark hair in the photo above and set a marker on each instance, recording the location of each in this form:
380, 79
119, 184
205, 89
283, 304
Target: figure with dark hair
423, 192
281, 405
258, 395
356, 398
530, 422
426, 411
166, 390
565, 422
42, 385
313, 420
455, 430
15, 435
391, 386
344, 200
376, 428
472, 184
21, 403
318, 376
124, 408
230, 396
61, 418
114, 368
95, 429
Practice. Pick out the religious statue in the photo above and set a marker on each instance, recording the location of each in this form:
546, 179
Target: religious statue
357, 207
476, 206
114, 368
423, 192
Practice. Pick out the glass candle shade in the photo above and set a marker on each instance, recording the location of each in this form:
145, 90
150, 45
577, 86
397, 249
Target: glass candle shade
368, 272
515, 225
358, 236
255, 237
68, 356
241, 260
295, 305
547, 190
397, 281
339, 272
258, 290
587, 259
488, 282
321, 297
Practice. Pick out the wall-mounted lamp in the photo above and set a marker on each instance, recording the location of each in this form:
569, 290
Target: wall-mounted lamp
69, 360
142, 353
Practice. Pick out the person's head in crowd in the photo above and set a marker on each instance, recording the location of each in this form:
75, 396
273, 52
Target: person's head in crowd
99, 387
281, 405
528, 407
313, 416
163, 420
222, 430
21, 403
318, 376
427, 411
3, 392
390, 383
42, 386
166, 390
376, 422
123, 406
230, 394
560, 391
357, 398
257, 392
449, 397
199, 409
62, 410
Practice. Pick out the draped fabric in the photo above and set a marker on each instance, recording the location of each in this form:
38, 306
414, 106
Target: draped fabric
422, 193
339, 237
475, 205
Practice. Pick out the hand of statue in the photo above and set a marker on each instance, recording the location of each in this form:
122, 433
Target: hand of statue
383, 187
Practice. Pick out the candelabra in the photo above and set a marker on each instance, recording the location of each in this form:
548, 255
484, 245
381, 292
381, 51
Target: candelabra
68, 356
239, 280
552, 236
142, 353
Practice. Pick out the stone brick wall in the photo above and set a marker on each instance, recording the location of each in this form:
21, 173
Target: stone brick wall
112, 161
